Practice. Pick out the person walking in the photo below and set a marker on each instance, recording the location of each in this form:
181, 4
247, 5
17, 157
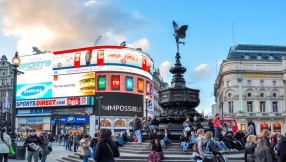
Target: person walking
281, 149
51, 139
137, 128
5, 142
44, 149
75, 141
106, 148
84, 146
33, 143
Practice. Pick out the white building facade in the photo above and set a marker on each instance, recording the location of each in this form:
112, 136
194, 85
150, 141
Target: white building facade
251, 84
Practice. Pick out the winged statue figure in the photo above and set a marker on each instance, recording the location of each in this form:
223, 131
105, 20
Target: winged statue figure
180, 33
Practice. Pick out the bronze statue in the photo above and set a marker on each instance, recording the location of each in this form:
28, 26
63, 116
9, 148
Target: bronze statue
36, 49
179, 33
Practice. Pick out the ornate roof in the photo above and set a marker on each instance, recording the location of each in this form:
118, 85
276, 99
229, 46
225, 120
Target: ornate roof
248, 52
4, 57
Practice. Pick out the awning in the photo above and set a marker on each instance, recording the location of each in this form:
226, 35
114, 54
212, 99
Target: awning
264, 125
276, 125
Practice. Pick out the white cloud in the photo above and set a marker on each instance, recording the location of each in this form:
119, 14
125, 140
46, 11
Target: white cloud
68, 24
200, 72
143, 43
164, 69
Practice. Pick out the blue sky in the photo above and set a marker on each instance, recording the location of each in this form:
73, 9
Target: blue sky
209, 35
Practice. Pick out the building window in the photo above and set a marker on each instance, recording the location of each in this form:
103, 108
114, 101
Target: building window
262, 95
261, 83
249, 106
274, 83
228, 83
2, 93
11, 81
275, 106
249, 94
262, 106
230, 106
2, 82
229, 95
3, 72
274, 95
248, 82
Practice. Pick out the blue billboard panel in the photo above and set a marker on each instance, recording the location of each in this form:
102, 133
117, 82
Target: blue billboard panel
35, 90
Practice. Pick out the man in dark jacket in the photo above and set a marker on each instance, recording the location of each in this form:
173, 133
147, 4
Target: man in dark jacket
281, 149
230, 141
196, 124
33, 143
137, 128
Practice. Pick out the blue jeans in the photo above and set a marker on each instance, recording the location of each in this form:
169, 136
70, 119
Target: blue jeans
138, 135
85, 159
216, 133
44, 158
185, 145
242, 141
51, 144
221, 145
166, 140
67, 144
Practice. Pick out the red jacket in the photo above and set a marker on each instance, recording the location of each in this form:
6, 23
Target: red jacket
216, 123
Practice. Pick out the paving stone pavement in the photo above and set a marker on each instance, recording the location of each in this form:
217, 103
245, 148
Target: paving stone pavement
58, 153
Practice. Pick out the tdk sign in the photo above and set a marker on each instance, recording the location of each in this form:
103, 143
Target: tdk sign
38, 65
33, 90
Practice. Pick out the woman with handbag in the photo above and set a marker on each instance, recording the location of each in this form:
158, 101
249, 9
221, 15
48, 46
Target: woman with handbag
210, 152
5, 142
106, 148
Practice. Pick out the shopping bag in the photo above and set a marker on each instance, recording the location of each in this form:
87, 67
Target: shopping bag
91, 152
11, 151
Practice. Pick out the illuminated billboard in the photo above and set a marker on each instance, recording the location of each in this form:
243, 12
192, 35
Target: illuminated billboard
103, 58
113, 104
82, 84
36, 82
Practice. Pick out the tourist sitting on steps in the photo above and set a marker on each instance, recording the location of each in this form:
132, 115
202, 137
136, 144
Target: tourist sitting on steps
167, 138
196, 124
154, 124
153, 136
192, 139
119, 140
198, 150
187, 125
230, 141
221, 145
156, 154
185, 141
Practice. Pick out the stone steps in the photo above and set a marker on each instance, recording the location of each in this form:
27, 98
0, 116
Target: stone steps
134, 152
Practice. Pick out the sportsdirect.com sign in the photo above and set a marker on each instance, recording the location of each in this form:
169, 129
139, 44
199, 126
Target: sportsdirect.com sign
53, 102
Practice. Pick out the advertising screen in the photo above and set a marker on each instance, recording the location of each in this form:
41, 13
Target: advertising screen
113, 104
36, 82
102, 56
82, 84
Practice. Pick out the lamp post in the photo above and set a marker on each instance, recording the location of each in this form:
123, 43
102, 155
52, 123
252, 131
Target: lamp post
146, 102
15, 63
99, 109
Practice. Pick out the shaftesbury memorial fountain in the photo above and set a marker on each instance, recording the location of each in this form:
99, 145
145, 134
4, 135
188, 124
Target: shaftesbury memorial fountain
178, 101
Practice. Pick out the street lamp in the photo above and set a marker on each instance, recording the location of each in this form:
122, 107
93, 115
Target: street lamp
15, 63
146, 102
99, 108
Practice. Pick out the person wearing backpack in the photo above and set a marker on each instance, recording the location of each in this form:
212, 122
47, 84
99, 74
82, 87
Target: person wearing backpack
5, 142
